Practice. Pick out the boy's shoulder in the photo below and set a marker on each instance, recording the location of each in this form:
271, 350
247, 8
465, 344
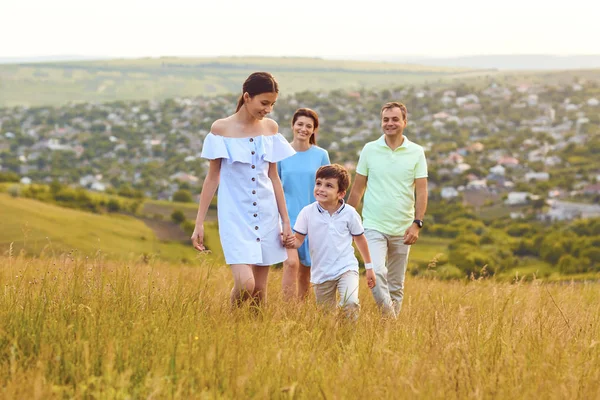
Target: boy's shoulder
309, 208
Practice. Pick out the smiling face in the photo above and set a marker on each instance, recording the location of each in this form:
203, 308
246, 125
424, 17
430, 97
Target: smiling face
303, 128
260, 105
392, 121
327, 191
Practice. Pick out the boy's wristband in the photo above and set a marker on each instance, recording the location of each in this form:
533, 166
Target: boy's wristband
368, 265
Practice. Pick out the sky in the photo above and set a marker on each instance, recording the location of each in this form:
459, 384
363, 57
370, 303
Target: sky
313, 28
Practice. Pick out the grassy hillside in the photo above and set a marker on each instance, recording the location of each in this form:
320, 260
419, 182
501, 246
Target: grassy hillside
160, 78
36, 227
73, 329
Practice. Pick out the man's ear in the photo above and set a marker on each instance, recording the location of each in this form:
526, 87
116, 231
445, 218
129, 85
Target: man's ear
341, 195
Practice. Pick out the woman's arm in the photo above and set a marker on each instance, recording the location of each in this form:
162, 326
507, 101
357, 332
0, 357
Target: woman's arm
209, 187
280, 199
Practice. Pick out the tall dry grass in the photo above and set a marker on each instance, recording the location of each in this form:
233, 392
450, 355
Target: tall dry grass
89, 328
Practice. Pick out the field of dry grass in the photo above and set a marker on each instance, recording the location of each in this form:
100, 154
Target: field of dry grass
93, 328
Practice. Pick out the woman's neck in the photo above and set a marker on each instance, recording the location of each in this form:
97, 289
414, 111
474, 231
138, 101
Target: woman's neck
301, 145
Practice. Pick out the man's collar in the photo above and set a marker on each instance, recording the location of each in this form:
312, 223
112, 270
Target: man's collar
381, 142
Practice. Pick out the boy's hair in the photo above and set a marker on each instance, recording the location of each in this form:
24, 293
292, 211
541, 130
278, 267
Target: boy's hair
335, 171
395, 104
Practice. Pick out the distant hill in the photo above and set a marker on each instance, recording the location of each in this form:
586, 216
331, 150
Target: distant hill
56, 83
35, 227
500, 61
55, 58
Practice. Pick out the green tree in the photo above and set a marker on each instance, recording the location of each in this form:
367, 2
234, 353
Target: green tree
177, 216
183, 196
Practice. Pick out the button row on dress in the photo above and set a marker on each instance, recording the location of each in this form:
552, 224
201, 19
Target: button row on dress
252, 140
253, 166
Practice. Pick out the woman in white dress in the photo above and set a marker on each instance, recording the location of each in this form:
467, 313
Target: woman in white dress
243, 150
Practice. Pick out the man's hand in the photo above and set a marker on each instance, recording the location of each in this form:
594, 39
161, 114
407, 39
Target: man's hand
411, 235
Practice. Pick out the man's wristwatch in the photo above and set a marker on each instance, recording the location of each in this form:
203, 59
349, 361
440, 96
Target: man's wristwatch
418, 222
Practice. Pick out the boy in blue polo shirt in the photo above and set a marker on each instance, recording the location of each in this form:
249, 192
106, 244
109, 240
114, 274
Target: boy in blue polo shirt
331, 225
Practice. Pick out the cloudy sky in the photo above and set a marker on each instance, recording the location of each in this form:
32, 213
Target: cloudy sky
323, 28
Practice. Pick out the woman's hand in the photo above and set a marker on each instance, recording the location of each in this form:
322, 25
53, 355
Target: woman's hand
198, 238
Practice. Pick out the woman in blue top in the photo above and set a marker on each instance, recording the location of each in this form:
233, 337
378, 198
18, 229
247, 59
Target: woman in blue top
243, 150
298, 178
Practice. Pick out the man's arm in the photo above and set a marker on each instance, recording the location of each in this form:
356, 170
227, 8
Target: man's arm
421, 200
358, 189
412, 233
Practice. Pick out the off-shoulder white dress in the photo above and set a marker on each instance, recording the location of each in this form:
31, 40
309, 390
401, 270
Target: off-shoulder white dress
249, 223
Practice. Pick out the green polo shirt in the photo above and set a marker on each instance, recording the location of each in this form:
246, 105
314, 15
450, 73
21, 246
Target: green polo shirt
389, 205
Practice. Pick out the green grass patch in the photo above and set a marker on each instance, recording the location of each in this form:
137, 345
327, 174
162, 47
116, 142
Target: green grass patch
35, 227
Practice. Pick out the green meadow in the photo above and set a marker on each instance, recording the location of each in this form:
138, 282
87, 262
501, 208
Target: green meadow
35, 228
39, 84
87, 328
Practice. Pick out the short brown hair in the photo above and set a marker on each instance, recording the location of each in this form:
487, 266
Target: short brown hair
395, 104
307, 112
335, 171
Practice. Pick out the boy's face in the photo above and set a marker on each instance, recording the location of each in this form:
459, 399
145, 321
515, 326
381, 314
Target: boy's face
327, 191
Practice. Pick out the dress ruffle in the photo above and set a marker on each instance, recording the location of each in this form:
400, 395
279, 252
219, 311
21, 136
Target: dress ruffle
272, 148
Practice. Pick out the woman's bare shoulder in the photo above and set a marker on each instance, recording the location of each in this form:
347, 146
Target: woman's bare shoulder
270, 126
220, 126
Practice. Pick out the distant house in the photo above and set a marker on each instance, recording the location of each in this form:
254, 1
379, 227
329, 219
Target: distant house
184, 178
498, 170
98, 187
25, 180
593, 102
449, 192
460, 168
556, 193
537, 176
476, 147
517, 215
441, 115
508, 161
477, 184
517, 198
592, 189
562, 211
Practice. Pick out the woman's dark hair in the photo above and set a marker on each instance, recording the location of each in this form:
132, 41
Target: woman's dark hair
257, 83
307, 112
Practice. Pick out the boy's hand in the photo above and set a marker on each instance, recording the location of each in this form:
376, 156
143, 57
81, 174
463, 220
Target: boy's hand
371, 280
290, 242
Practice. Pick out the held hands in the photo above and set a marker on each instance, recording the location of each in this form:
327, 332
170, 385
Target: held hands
371, 280
287, 236
198, 238
411, 235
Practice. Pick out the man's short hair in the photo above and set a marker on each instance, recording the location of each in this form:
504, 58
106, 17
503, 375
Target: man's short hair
395, 104
335, 171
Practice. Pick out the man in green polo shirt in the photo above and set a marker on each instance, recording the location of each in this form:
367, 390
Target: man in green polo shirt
391, 169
